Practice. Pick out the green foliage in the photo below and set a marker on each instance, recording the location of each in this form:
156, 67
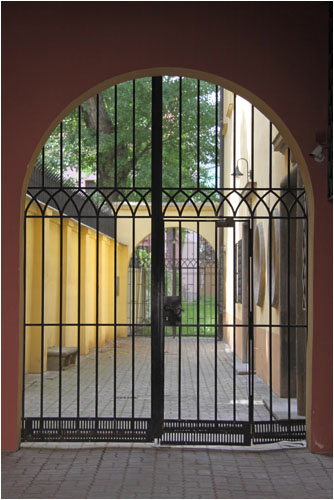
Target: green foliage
144, 257
189, 316
122, 153
206, 316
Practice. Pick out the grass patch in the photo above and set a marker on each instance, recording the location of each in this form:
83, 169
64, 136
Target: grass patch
189, 317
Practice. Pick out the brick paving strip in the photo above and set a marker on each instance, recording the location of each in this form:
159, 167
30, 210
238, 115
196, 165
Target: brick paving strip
148, 471
112, 470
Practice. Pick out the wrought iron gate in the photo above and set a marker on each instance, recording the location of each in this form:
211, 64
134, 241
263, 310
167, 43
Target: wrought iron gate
133, 179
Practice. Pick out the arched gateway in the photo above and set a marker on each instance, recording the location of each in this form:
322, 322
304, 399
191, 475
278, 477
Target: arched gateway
219, 354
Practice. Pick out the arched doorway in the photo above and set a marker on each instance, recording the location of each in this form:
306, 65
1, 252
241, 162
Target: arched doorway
189, 272
236, 187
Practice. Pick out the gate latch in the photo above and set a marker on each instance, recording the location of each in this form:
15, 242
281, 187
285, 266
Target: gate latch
172, 310
227, 222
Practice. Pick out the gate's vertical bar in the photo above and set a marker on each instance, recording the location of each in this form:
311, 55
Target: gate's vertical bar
289, 295
180, 254
289, 173
79, 145
60, 314
252, 149
251, 323
133, 243
198, 131
97, 265
79, 268
216, 320
216, 316
157, 350
61, 281
270, 283
174, 286
233, 250
234, 327
250, 286
197, 249
42, 300
116, 137
198, 317
135, 306
180, 327
42, 319
270, 156
61, 154
270, 318
79, 316
212, 312
180, 134
115, 313
115, 263
221, 213
216, 138
234, 137
202, 276
43, 167
134, 133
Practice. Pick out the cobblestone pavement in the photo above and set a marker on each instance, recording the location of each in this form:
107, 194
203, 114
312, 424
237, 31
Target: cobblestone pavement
136, 471
232, 385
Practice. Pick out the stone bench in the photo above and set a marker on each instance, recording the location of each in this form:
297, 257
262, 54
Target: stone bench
68, 357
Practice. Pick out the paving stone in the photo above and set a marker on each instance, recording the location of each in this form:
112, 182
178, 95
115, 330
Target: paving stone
142, 380
195, 477
111, 470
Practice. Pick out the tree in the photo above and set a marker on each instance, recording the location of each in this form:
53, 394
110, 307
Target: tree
119, 145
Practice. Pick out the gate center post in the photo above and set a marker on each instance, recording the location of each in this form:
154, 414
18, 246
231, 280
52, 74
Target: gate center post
157, 333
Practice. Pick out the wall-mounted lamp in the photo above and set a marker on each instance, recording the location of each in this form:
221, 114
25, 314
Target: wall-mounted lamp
318, 152
237, 172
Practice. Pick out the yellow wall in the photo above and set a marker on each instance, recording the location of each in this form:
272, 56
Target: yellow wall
243, 149
70, 285
70, 278
122, 272
33, 290
143, 226
70, 281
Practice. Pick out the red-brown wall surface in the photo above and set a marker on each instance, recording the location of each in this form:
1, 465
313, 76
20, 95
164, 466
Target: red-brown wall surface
54, 52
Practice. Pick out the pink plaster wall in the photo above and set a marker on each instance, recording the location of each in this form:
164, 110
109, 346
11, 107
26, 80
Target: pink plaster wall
54, 52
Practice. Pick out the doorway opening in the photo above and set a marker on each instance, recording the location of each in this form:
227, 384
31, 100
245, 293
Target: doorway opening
196, 333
